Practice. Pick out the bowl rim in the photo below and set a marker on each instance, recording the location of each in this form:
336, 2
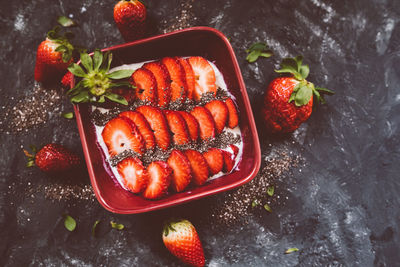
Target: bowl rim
190, 197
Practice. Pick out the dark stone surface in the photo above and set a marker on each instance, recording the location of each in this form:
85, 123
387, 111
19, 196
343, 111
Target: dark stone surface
337, 177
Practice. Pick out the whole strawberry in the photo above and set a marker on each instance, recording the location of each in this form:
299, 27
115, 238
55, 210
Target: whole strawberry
53, 57
181, 239
130, 17
288, 101
53, 158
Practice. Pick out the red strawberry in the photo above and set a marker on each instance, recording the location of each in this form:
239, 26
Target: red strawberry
158, 125
198, 165
134, 175
189, 74
214, 159
229, 161
181, 239
130, 17
235, 150
204, 75
128, 93
288, 100
53, 58
159, 179
143, 126
233, 116
206, 122
192, 124
53, 158
178, 127
121, 134
67, 79
178, 79
182, 173
146, 85
219, 112
163, 79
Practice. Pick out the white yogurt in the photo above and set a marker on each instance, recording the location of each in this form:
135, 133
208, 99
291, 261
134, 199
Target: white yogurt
219, 82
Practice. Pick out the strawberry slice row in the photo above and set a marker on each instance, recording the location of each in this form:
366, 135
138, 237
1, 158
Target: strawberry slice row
173, 79
181, 169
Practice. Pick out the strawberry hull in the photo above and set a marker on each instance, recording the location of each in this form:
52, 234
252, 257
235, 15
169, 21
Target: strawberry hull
199, 41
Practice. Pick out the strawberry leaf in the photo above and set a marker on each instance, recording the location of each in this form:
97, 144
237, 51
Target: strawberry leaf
324, 91
83, 96
303, 96
116, 98
66, 22
120, 74
76, 70
97, 59
304, 71
87, 61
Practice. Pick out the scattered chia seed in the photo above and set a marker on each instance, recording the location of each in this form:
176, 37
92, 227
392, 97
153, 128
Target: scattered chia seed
58, 192
185, 19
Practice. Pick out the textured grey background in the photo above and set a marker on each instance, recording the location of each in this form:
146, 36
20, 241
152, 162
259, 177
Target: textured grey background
337, 177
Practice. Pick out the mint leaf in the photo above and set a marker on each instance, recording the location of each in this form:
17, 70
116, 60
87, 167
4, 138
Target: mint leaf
256, 50
290, 250
117, 226
68, 115
66, 22
270, 190
69, 223
267, 207
94, 227
253, 56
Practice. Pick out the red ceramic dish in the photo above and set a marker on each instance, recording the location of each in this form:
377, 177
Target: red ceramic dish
198, 41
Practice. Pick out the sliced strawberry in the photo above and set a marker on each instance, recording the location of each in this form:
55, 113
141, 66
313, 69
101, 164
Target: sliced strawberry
206, 122
178, 79
192, 124
219, 112
133, 173
198, 165
121, 134
143, 127
159, 179
182, 173
178, 127
158, 125
189, 74
163, 79
233, 116
204, 77
146, 85
235, 150
214, 159
229, 161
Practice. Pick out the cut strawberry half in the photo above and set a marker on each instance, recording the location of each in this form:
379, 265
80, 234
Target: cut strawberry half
146, 85
133, 174
215, 160
233, 116
143, 127
189, 74
198, 166
182, 173
219, 112
206, 122
178, 79
204, 77
121, 134
229, 161
158, 125
178, 127
235, 150
192, 124
159, 179
163, 79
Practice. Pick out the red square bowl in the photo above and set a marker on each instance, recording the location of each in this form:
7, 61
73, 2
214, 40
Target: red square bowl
197, 41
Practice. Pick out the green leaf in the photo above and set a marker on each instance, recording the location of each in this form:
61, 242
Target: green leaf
253, 56
61, 48
69, 223
76, 70
304, 71
97, 59
290, 250
303, 96
68, 115
66, 56
299, 62
324, 91
94, 227
256, 50
33, 148
30, 163
117, 226
255, 203
117, 98
66, 22
101, 99
122, 84
107, 58
267, 207
120, 74
266, 54
270, 190
87, 61
258, 46
81, 97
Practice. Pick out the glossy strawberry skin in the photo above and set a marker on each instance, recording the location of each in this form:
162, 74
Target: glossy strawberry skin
130, 17
49, 67
67, 79
54, 158
280, 115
